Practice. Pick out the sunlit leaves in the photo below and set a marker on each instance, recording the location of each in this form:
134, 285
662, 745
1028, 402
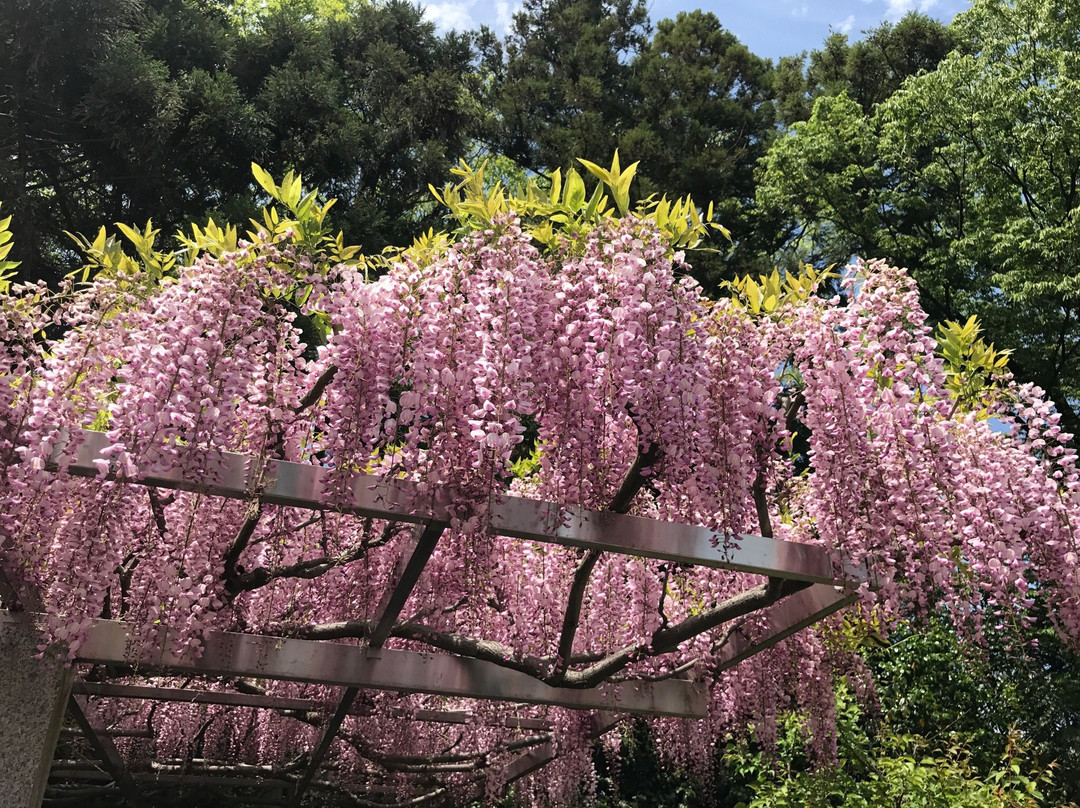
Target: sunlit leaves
561, 210
975, 372
6, 266
616, 179
767, 293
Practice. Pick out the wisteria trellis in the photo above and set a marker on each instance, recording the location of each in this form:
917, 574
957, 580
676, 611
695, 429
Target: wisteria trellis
640, 395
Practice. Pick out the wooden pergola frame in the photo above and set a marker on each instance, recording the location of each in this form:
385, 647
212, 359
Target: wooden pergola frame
824, 585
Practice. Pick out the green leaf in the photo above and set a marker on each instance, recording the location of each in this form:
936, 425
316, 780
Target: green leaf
594, 203
575, 191
133, 235
601, 174
622, 189
555, 191
265, 180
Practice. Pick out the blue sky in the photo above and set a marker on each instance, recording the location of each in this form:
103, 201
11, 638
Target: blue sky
770, 28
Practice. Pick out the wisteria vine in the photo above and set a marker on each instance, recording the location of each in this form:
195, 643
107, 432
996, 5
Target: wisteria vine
595, 374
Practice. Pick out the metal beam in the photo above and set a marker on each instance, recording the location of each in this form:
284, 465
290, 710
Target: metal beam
333, 724
230, 654
86, 774
527, 763
258, 701
668, 541
86, 717
410, 565
196, 696
307, 486
112, 733
783, 619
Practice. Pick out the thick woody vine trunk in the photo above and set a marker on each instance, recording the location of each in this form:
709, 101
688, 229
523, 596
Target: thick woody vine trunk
631, 484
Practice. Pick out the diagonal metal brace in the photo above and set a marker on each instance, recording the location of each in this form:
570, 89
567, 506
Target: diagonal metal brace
86, 716
782, 619
333, 724
410, 565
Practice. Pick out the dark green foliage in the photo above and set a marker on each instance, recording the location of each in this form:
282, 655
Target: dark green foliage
704, 119
48, 46
580, 78
869, 70
639, 779
562, 80
123, 111
933, 686
370, 107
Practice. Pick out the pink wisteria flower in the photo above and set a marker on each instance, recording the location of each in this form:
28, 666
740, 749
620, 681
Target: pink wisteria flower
493, 367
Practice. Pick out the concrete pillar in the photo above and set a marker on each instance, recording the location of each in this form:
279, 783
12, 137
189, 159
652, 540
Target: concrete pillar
33, 699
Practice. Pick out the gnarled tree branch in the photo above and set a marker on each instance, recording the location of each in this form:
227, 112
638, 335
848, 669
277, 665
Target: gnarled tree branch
317, 389
308, 568
631, 484
668, 639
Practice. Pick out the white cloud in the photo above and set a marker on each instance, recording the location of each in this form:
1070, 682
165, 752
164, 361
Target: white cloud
800, 11
898, 8
504, 15
845, 26
451, 16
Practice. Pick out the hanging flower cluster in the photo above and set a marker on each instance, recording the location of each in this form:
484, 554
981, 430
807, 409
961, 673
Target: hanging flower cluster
484, 368
956, 509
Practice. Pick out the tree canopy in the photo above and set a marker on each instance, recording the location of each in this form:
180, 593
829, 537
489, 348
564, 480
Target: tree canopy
968, 176
128, 110
688, 102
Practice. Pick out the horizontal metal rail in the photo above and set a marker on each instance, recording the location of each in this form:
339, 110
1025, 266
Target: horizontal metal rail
266, 702
529, 762
329, 663
82, 772
306, 486
184, 696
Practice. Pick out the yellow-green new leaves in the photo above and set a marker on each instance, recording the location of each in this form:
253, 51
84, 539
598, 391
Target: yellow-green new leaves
551, 215
470, 201
157, 264
304, 232
768, 293
288, 193
6, 267
574, 197
617, 180
105, 256
308, 215
425, 250
560, 212
212, 239
974, 371
681, 221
